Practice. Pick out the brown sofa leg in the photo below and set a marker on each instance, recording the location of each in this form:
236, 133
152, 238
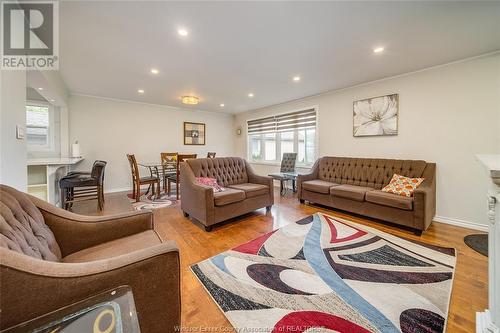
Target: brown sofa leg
417, 232
268, 208
302, 201
185, 214
208, 228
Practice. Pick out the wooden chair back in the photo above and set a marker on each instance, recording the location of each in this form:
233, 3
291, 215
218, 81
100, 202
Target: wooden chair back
182, 158
98, 171
133, 167
169, 160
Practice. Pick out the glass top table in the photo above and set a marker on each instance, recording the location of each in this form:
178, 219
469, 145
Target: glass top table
283, 177
112, 311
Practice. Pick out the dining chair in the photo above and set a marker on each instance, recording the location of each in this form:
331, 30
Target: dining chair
176, 177
138, 181
169, 167
83, 185
211, 154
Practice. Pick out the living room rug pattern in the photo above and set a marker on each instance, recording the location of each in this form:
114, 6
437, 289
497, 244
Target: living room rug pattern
151, 201
329, 273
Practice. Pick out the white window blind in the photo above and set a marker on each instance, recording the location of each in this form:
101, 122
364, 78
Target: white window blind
284, 122
294, 132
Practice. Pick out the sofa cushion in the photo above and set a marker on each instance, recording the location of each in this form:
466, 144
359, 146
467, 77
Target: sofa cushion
390, 199
230, 195
318, 186
115, 248
251, 190
22, 227
352, 192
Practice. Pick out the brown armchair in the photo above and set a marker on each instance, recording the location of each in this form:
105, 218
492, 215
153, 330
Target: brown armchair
51, 258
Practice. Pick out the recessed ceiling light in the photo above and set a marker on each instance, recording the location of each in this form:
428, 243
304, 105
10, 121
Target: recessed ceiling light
191, 100
378, 49
154, 71
40, 88
250, 95
296, 78
140, 91
222, 105
52, 100
182, 32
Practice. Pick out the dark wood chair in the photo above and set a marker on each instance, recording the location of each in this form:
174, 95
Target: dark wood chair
82, 186
176, 177
211, 155
169, 167
138, 181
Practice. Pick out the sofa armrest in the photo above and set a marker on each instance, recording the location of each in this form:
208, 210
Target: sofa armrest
91, 230
424, 198
32, 287
258, 179
197, 200
313, 174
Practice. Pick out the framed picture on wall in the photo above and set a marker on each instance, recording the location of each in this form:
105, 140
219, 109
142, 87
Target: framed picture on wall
376, 116
194, 133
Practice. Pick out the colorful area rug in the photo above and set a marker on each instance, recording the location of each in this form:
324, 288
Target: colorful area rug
326, 273
150, 201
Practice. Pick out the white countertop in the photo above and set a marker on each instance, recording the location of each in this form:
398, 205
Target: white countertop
54, 161
492, 164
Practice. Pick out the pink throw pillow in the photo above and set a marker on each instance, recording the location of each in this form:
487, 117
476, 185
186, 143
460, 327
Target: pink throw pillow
212, 182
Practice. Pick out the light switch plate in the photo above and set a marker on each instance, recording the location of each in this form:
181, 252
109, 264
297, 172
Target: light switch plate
20, 132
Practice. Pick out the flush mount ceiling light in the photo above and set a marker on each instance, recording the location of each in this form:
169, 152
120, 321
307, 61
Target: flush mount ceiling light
296, 78
250, 95
183, 32
379, 49
154, 71
140, 91
222, 105
40, 88
191, 100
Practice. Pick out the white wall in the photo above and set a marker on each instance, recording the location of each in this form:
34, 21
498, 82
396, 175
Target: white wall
447, 115
12, 113
109, 129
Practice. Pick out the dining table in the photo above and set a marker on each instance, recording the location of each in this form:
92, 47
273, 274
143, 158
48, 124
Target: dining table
160, 170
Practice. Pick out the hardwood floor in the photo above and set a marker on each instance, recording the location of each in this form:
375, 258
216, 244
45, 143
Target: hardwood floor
469, 292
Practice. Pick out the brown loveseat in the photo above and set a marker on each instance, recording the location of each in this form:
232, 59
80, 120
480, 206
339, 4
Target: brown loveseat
354, 184
245, 191
51, 258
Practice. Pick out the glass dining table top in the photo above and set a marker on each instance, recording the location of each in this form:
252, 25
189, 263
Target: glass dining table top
158, 167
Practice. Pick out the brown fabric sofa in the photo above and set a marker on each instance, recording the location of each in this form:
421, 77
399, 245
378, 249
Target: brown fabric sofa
354, 184
245, 191
51, 258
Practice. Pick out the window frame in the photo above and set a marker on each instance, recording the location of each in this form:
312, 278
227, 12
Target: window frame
278, 141
50, 146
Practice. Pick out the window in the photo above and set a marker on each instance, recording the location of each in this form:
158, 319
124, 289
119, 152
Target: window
269, 138
38, 129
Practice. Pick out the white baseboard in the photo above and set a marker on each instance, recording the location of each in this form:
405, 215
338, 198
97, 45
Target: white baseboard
461, 223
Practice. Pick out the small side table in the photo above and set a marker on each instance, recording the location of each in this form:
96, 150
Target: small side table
284, 177
111, 311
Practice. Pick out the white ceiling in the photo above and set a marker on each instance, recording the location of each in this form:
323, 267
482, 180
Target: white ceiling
233, 48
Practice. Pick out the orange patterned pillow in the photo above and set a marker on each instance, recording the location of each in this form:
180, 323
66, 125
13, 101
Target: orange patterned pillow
402, 185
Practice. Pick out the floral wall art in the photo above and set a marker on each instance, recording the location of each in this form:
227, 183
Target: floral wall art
376, 116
